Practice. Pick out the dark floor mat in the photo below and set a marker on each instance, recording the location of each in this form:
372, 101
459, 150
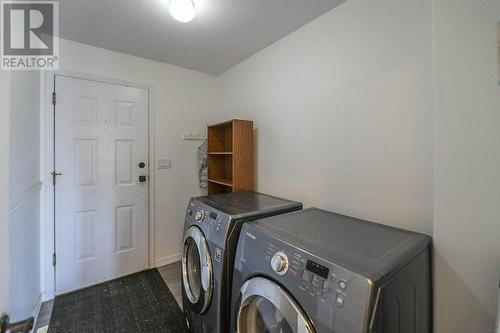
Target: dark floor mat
139, 302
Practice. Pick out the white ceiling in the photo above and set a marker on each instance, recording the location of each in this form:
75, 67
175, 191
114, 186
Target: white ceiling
224, 32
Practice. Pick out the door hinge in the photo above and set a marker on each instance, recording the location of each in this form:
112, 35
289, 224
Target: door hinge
53, 259
54, 175
54, 98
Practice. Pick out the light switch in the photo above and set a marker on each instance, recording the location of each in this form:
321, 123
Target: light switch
164, 163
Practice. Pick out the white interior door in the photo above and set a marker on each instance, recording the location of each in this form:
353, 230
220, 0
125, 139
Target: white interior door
101, 137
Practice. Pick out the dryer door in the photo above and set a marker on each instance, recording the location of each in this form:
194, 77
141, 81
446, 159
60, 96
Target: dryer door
197, 278
266, 307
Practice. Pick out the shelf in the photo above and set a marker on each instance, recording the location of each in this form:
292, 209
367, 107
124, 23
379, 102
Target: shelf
226, 123
220, 137
229, 162
222, 181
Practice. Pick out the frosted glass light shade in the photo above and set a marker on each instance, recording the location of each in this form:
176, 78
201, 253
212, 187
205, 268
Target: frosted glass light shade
182, 10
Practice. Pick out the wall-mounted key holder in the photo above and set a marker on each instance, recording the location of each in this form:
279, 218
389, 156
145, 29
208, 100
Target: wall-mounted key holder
194, 136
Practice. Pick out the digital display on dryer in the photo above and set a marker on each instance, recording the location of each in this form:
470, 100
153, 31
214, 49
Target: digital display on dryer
317, 269
213, 215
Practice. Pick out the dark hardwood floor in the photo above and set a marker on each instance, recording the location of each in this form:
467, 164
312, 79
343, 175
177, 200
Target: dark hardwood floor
171, 275
173, 278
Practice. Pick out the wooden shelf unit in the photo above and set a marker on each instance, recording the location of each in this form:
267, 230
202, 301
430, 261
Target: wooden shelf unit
230, 156
221, 153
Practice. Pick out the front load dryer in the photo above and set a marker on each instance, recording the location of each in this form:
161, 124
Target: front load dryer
211, 230
315, 271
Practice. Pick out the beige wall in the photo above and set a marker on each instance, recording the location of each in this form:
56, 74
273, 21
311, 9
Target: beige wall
498, 48
24, 210
346, 110
184, 100
386, 110
4, 192
466, 165
343, 112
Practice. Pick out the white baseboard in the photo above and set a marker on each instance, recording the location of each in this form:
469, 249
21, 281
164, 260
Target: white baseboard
44, 329
38, 306
168, 260
46, 296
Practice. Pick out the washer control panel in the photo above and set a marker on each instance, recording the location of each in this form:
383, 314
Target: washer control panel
205, 216
316, 278
209, 220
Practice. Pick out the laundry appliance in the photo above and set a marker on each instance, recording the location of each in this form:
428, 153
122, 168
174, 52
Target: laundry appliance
211, 230
315, 271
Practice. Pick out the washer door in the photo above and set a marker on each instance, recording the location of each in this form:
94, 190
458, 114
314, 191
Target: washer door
267, 308
197, 277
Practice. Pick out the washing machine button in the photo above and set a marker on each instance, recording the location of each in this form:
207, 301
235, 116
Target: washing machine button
199, 215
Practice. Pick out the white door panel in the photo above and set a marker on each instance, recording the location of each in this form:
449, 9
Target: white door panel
101, 136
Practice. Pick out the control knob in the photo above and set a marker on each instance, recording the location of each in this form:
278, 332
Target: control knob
279, 263
199, 215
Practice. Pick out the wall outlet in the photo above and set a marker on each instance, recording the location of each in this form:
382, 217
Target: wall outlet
164, 163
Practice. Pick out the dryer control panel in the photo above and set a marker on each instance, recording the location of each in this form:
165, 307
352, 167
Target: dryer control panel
337, 296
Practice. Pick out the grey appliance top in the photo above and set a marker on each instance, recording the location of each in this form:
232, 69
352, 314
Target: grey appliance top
248, 205
367, 248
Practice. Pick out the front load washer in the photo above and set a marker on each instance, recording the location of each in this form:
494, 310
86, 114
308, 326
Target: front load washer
211, 230
315, 271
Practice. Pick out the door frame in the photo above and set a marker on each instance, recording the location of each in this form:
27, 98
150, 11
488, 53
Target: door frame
47, 234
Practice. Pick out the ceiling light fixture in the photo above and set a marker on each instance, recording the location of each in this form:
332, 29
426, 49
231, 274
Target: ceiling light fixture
182, 10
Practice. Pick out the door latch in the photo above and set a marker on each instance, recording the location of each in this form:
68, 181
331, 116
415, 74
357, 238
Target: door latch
142, 179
